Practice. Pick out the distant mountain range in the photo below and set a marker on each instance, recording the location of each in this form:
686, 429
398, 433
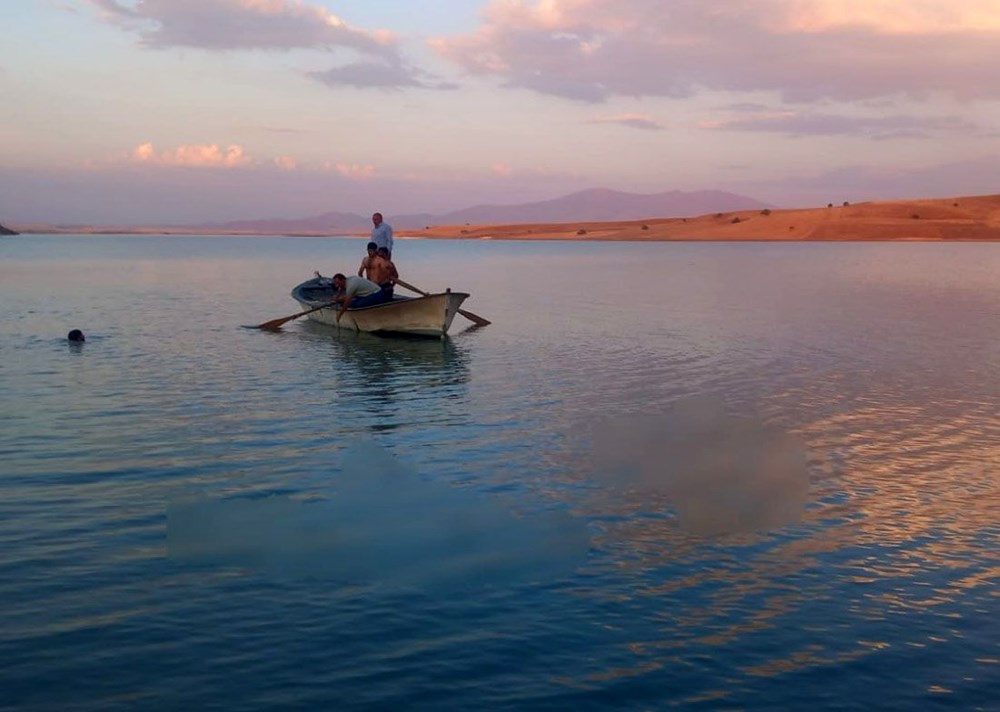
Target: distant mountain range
601, 204
598, 204
610, 215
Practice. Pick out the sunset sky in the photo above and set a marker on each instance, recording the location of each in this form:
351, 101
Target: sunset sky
174, 111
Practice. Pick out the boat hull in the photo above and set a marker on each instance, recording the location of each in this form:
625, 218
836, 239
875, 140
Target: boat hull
430, 315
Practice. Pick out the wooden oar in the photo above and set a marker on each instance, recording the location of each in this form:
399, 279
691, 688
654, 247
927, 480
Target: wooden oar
474, 318
276, 323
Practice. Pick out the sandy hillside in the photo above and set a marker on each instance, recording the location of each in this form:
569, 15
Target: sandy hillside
961, 218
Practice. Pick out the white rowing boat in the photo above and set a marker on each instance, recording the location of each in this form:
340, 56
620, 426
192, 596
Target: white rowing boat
429, 315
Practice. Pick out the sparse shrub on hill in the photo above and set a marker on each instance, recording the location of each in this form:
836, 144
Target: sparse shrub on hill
829, 205
915, 216
846, 203
645, 227
735, 219
581, 231
765, 211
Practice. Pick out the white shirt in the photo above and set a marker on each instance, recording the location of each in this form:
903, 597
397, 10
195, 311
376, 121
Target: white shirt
382, 235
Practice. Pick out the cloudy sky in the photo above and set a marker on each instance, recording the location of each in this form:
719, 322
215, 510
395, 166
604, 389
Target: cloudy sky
192, 110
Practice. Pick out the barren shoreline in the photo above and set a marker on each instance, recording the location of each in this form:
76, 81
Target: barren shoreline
968, 218
934, 219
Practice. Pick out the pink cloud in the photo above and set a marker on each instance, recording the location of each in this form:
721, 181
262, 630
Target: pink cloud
805, 50
192, 155
889, 16
351, 170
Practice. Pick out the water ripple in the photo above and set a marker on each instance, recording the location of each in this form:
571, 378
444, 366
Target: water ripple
880, 593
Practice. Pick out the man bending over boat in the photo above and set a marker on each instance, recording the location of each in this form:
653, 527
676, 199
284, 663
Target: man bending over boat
355, 292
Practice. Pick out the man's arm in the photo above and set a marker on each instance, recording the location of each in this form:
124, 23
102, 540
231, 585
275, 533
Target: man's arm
345, 299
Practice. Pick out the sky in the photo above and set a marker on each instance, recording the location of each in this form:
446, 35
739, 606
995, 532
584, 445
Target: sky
188, 111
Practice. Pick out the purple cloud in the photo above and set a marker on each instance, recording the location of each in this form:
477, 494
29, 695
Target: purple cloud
243, 25
634, 121
810, 124
224, 25
383, 75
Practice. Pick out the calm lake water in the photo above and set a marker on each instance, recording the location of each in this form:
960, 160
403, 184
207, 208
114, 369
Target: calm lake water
699, 476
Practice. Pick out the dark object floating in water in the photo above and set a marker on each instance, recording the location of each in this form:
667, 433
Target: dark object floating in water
76, 335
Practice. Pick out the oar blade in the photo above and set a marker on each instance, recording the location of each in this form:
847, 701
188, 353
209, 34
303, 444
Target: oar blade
276, 324
474, 318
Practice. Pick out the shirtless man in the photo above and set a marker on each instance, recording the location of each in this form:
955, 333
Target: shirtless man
365, 270
383, 272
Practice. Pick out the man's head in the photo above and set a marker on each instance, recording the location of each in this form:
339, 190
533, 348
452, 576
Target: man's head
339, 281
372, 248
383, 252
377, 219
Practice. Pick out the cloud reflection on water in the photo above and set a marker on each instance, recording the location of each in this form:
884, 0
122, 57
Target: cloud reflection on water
721, 473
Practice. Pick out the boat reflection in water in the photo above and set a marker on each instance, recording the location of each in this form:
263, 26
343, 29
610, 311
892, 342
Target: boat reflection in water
374, 516
388, 381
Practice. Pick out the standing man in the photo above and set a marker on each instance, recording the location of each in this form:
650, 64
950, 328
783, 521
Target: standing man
382, 233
